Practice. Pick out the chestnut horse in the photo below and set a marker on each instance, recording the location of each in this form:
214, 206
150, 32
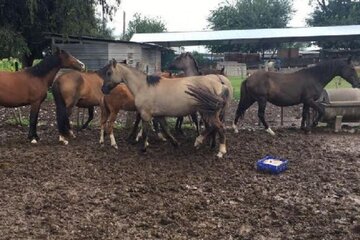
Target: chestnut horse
206, 94
30, 86
287, 89
84, 90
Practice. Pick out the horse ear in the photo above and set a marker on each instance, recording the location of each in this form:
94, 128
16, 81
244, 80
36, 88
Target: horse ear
113, 62
349, 60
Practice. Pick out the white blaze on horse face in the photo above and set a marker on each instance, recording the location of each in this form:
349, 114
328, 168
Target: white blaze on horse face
81, 64
63, 140
271, 132
113, 141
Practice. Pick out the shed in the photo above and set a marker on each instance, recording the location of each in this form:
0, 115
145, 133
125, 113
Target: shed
96, 52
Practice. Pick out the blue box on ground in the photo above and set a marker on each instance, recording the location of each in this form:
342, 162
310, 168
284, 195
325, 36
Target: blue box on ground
272, 164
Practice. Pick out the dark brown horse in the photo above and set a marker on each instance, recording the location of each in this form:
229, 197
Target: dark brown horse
287, 89
29, 86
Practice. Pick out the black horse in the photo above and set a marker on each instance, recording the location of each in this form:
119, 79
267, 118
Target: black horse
287, 89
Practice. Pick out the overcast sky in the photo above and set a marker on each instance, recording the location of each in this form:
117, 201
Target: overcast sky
187, 15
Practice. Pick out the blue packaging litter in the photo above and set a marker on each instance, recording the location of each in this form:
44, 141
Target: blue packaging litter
272, 164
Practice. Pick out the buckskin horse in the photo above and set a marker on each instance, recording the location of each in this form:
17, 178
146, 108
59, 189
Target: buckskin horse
29, 86
187, 63
287, 89
205, 94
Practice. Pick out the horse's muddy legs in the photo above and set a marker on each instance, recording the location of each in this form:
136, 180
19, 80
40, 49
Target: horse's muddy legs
166, 130
34, 113
261, 115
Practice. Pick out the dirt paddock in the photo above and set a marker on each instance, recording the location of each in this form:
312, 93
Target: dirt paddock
82, 191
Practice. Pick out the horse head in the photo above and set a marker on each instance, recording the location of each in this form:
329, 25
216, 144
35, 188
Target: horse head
111, 76
349, 73
185, 62
69, 61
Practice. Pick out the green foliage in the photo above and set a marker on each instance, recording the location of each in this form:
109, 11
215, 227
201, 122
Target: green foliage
8, 64
249, 14
143, 24
336, 12
23, 23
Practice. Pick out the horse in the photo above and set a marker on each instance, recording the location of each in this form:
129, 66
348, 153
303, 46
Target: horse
187, 63
29, 86
205, 94
83, 89
75, 89
287, 89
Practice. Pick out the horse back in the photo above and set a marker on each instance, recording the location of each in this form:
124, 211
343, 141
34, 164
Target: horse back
20, 88
81, 89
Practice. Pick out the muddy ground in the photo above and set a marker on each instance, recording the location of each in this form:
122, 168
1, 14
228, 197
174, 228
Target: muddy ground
82, 191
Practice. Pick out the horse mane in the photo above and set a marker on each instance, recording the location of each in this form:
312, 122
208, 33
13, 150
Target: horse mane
152, 80
326, 66
45, 66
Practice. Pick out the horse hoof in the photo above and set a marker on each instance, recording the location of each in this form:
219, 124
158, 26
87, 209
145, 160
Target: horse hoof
271, 132
115, 146
220, 155
34, 141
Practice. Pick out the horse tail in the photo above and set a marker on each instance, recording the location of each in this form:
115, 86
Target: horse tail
61, 112
208, 103
245, 101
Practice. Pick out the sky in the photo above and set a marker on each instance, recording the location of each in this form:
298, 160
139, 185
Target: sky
187, 15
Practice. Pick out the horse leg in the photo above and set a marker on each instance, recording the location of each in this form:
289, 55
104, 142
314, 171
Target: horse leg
178, 125
132, 136
194, 118
222, 139
103, 120
34, 113
304, 116
240, 111
166, 130
261, 115
319, 109
156, 124
68, 125
111, 129
91, 117
145, 130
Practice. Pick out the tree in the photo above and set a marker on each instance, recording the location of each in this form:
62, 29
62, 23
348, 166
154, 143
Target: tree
143, 24
24, 22
250, 14
336, 12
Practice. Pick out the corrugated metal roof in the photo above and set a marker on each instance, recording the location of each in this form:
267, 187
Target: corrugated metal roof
173, 39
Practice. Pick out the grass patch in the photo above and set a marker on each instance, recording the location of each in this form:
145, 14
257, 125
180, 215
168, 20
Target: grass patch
15, 122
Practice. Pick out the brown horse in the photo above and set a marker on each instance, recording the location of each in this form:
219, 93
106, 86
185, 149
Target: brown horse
162, 97
84, 90
29, 86
287, 89
75, 89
